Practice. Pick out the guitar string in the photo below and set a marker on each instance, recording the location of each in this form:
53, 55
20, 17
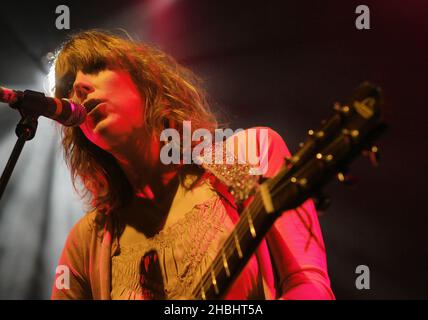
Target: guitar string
229, 249
242, 230
218, 263
230, 246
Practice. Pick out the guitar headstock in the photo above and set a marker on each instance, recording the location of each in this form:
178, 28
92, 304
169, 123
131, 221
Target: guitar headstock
327, 152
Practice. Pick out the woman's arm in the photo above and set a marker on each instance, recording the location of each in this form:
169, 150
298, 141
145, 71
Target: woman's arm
71, 280
299, 256
295, 241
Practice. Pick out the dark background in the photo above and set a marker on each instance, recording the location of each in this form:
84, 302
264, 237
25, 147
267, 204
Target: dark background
280, 64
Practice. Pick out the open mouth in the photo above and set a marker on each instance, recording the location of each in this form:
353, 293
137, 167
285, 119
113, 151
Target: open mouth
92, 104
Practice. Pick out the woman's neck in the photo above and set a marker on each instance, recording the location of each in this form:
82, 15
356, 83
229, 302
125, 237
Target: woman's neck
148, 177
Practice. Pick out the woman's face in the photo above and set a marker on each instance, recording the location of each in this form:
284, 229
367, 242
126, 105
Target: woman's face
114, 104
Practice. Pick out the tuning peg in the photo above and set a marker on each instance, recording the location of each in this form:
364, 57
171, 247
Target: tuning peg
346, 178
316, 134
290, 161
341, 109
322, 202
373, 154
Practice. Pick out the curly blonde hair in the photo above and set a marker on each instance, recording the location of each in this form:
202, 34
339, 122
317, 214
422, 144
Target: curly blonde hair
171, 92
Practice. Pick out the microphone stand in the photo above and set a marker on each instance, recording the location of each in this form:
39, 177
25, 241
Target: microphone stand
25, 130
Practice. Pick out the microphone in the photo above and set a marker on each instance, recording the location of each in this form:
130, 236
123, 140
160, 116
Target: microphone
64, 111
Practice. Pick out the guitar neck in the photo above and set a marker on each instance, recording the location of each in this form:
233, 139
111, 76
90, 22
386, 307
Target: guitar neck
349, 131
252, 226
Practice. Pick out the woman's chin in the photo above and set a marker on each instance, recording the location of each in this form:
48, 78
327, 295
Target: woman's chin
108, 128
108, 137
101, 127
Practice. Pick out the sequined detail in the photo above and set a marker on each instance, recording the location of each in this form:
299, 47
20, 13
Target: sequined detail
224, 165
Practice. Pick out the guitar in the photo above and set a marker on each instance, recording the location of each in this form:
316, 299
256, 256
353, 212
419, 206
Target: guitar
350, 131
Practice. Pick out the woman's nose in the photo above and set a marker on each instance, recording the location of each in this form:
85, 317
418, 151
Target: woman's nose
82, 90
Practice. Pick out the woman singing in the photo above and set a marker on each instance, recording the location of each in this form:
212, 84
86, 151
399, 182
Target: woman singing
152, 229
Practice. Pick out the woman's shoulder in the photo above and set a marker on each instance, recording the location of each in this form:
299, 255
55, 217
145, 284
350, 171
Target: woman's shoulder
85, 227
246, 156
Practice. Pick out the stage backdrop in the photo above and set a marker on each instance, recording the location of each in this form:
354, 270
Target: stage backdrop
280, 64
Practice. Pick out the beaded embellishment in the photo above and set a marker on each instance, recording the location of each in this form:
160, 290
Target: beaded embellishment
236, 176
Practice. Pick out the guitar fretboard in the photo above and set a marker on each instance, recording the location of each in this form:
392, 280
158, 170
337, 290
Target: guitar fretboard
252, 226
